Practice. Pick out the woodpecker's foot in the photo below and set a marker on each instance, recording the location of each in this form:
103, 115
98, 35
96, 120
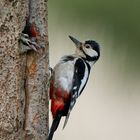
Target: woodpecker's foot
28, 43
49, 76
51, 72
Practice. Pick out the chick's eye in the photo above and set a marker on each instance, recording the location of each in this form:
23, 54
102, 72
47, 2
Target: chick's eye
87, 46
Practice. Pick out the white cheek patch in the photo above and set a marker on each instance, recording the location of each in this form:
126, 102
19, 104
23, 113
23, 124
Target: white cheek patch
94, 53
91, 52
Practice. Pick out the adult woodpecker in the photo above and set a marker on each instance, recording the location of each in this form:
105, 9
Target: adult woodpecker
69, 78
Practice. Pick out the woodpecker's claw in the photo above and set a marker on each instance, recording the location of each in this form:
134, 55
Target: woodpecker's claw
24, 38
51, 70
51, 73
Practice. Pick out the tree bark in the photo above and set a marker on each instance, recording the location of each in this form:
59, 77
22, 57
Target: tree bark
23, 77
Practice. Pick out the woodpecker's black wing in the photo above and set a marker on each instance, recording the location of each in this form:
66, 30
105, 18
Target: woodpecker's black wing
81, 74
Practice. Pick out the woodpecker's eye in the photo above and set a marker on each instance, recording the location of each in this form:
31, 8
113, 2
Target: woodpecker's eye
87, 46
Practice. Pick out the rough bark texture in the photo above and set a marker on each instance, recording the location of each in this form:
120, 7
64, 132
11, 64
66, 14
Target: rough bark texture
23, 77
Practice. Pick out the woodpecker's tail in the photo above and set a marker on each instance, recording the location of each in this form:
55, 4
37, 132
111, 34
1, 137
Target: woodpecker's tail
54, 126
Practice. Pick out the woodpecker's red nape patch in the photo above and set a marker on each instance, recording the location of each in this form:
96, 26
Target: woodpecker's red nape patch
33, 31
30, 29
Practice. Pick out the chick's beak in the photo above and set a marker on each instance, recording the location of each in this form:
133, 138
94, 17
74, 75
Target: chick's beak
75, 41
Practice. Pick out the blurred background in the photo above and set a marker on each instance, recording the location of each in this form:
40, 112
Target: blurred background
109, 108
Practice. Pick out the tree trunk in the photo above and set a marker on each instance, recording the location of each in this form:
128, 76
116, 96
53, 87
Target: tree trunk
23, 77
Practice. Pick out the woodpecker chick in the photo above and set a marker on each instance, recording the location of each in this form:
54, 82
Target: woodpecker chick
28, 38
69, 78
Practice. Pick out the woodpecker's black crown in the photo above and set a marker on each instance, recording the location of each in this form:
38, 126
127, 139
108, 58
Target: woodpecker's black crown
95, 46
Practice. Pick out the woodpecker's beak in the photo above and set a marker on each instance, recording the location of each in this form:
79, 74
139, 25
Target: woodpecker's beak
76, 42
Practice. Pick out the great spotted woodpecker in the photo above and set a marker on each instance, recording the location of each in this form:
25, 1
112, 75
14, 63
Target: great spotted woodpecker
69, 78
